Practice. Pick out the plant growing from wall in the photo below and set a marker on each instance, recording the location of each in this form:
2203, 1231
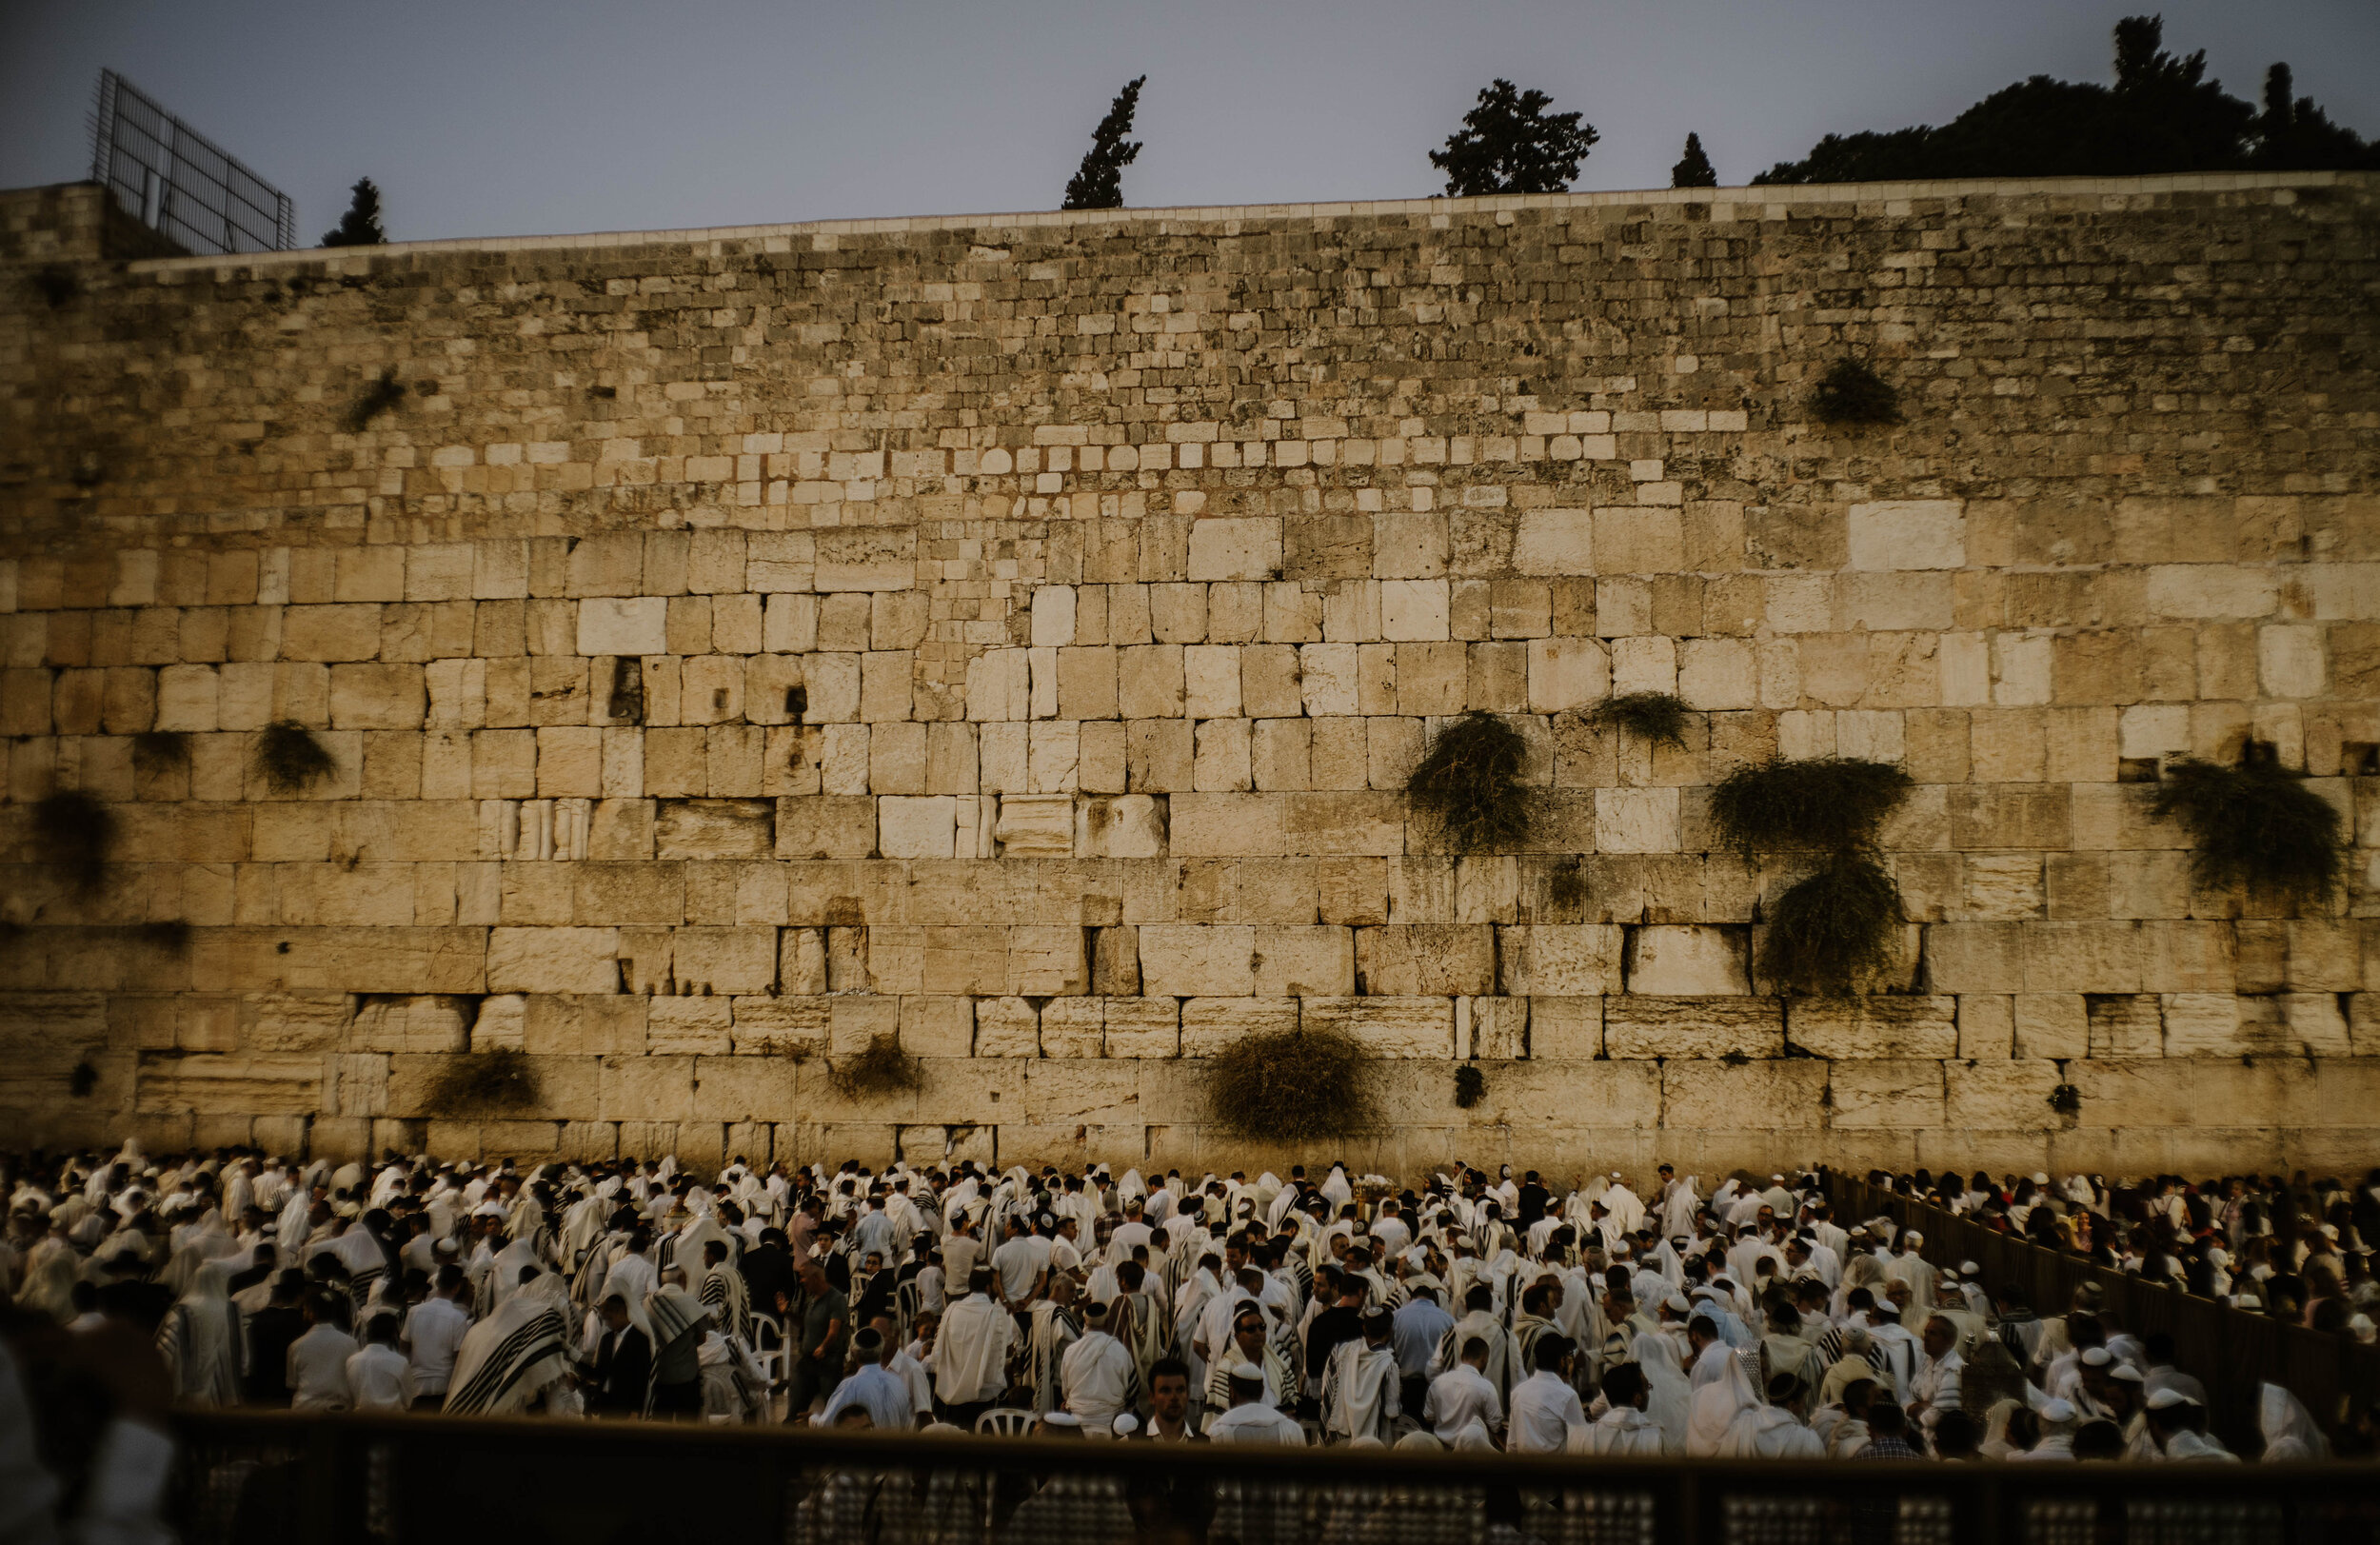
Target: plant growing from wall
1566, 888
1469, 783
1834, 928
2066, 1100
1850, 392
73, 835
1658, 717
289, 759
382, 396
2257, 823
157, 751
1292, 1085
881, 1070
492, 1083
81, 1081
1470, 1086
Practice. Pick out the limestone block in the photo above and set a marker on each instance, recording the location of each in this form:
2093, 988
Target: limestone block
624, 625
825, 826
1693, 1027
644, 1089
856, 1021
569, 1026
2124, 1024
1304, 962
1721, 1097
1426, 959
690, 1026
1006, 1028
1186, 960
2001, 887
409, 1022
917, 827
1119, 826
1073, 1027
1566, 1029
1574, 961
2315, 1027
1976, 958
727, 959
1636, 820
260, 1083
788, 1027
1492, 1027
1046, 960
554, 960
1886, 1093
2009, 1096
1210, 1025
1388, 1026
1079, 1091
1910, 533
377, 697
1345, 822
714, 829
743, 1089
1034, 826
1987, 1026
866, 558
936, 1026
1675, 961
2050, 1024
1555, 541
1874, 1025
1235, 548
1053, 616
1143, 1027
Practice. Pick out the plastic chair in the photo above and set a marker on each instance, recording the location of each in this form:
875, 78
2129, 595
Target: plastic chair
1005, 1421
769, 1350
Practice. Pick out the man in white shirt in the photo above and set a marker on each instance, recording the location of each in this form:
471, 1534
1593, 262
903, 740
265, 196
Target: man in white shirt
1545, 1407
318, 1360
1464, 1394
378, 1375
1251, 1418
1624, 1432
1361, 1392
1097, 1372
1936, 1388
433, 1333
971, 1353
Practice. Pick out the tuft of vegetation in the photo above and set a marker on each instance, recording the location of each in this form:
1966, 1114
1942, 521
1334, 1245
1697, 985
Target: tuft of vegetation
882, 1069
1510, 143
289, 759
1831, 804
1566, 887
56, 284
2256, 824
1659, 716
156, 751
1292, 1085
1469, 781
72, 836
1470, 1086
360, 226
81, 1081
1831, 929
1099, 183
385, 395
2066, 1100
1852, 392
491, 1082
1694, 168
171, 936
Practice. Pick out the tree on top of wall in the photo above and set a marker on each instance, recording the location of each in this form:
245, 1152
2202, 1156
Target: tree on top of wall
360, 226
2163, 114
1694, 168
1510, 143
1099, 183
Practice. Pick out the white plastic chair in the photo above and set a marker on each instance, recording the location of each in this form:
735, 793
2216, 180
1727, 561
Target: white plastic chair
769, 1350
1004, 1422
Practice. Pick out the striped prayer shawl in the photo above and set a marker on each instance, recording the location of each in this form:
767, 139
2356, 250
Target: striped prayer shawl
523, 1355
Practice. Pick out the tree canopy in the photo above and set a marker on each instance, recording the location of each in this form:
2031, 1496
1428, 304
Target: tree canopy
1510, 143
1694, 168
2163, 114
1099, 183
360, 226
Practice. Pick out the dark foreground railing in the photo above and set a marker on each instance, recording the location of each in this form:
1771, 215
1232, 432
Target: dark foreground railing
275, 1478
2232, 1352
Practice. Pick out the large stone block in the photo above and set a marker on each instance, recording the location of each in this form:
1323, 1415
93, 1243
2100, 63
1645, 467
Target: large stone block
1388, 1026
1689, 961
1568, 960
1187, 960
1885, 1093
1426, 959
1636, 1026
1874, 1025
1210, 1025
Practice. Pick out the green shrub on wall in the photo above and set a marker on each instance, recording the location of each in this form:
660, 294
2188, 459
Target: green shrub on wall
1290, 1085
289, 759
1834, 929
1656, 717
2256, 824
1469, 784
73, 835
879, 1070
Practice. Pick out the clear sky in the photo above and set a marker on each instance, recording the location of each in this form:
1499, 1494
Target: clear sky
494, 117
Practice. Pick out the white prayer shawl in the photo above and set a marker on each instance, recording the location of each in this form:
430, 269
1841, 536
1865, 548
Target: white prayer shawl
2290, 1430
1622, 1432
1626, 1207
1051, 1331
1360, 1394
1720, 1425
971, 1351
1671, 1399
729, 1300
201, 1341
1101, 1381
631, 1276
508, 1359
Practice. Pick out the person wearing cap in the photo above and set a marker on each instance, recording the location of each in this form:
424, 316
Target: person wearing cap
874, 1386
2050, 1425
1464, 1394
2178, 1426
1545, 1406
1934, 1392
1252, 1417
1361, 1390
1096, 1373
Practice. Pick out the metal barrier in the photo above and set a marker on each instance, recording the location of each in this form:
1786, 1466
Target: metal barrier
2230, 1350
278, 1479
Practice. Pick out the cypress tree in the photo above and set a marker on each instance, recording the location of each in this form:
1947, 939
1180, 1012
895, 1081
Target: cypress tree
1694, 168
360, 226
1098, 184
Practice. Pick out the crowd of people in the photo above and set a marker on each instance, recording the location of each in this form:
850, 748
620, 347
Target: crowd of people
1474, 1311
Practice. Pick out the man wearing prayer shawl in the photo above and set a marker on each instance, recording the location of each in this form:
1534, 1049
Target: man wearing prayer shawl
1361, 1390
971, 1353
200, 1339
1934, 1389
1479, 1322
1252, 1345
1052, 1325
1100, 1380
1540, 1301
678, 1320
1251, 1416
508, 1359
1624, 1431
2289, 1429
1139, 1320
724, 1292
1729, 1420
2178, 1425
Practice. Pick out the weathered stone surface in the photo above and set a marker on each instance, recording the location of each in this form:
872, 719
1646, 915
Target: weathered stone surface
1678, 962
1873, 1026
1693, 1027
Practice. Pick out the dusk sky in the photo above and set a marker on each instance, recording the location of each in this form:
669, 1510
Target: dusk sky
499, 117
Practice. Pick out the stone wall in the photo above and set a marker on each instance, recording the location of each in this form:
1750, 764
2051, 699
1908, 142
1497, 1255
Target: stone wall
1013, 634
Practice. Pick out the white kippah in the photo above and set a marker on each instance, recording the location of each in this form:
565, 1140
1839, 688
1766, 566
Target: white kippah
2166, 1399
1127, 1424
1914, 1239
1969, 1268
1248, 1371
2127, 1373
2096, 1357
1677, 1301
2055, 1410
1062, 1418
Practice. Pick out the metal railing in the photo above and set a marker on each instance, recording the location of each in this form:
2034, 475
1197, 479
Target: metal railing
177, 182
279, 1478
2229, 1350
